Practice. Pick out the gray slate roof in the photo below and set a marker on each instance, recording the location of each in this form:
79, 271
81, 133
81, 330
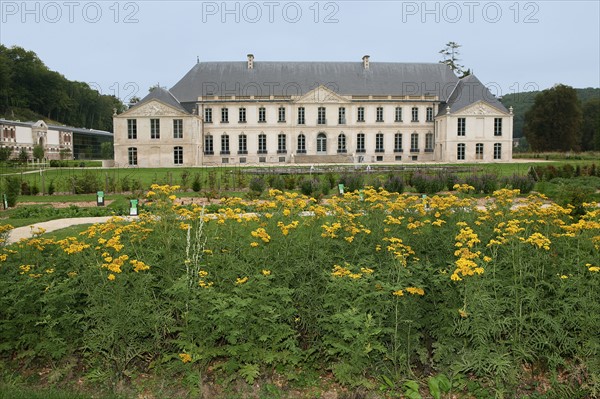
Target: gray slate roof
470, 90
298, 78
162, 95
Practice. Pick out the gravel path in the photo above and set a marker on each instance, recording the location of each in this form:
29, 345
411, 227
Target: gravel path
51, 225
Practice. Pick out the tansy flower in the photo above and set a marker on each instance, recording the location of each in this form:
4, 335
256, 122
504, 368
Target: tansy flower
240, 281
111, 277
398, 293
185, 358
266, 272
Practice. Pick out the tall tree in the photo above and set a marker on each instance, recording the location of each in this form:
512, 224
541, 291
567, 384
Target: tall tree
554, 121
450, 54
590, 131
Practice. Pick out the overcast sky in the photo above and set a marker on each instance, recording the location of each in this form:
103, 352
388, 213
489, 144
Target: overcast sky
125, 47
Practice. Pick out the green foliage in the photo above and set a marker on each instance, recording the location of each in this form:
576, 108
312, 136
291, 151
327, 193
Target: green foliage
554, 121
309, 187
590, 132
523, 183
13, 190
352, 181
257, 185
23, 156
87, 183
38, 152
5, 153
428, 184
394, 184
107, 150
196, 185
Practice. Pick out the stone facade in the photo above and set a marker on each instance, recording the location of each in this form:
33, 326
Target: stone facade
458, 121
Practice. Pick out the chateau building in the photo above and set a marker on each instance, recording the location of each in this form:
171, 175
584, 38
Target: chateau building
315, 112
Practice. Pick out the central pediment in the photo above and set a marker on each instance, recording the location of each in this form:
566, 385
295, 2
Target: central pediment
321, 95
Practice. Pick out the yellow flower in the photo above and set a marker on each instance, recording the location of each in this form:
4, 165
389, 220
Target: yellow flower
185, 358
240, 281
564, 277
415, 291
111, 277
254, 244
366, 270
398, 293
266, 272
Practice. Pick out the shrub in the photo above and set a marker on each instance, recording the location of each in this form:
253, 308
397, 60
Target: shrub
51, 188
13, 189
394, 184
86, 183
257, 185
352, 182
277, 182
489, 183
428, 184
523, 183
196, 185
290, 182
309, 187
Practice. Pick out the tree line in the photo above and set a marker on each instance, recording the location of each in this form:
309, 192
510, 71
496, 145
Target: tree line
559, 120
28, 87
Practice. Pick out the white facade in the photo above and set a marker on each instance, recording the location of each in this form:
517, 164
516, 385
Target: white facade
320, 126
26, 135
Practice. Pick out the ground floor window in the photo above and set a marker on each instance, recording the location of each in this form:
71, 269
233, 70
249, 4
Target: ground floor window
208, 145
360, 142
479, 151
178, 155
132, 156
262, 143
301, 144
321, 143
460, 151
497, 151
341, 143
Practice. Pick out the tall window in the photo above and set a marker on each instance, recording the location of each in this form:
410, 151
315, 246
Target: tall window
321, 143
155, 128
497, 151
321, 116
301, 144
479, 151
398, 142
301, 116
429, 115
415, 114
429, 142
177, 128
224, 144
178, 155
262, 143
131, 129
342, 115
360, 142
242, 144
414, 142
281, 114
262, 115
361, 114
281, 144
460, 151
132, 156
398, 114
379, 114
224, 115
207, 115
242, 115
497, 126
379, 142
208, 145
461, 128
341, 149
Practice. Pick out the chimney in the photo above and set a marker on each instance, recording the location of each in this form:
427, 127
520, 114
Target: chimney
250, 61
365, 60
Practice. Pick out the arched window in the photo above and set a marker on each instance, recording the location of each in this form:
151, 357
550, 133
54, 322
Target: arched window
178, 155
224, 144
321, 143
262, 143
301, 144
341, 143
379, 142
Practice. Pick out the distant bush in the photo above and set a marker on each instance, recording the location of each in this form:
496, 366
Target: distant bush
13, 189
87, 183
352, 182
427, 184
524, 183
277, 182
394, 184
309, 187
257, 185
